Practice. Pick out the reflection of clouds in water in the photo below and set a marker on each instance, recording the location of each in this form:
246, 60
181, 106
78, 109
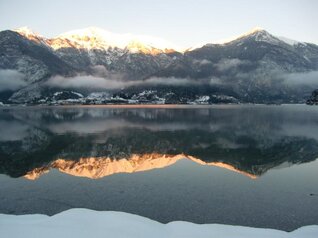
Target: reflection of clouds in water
84, 127
70, 114
301, 130
12, 130
100, 126
265, 125
227, 144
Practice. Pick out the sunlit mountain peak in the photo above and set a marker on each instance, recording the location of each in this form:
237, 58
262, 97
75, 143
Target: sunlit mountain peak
30, 34
255, 30
25, 31
94, 38
97, 38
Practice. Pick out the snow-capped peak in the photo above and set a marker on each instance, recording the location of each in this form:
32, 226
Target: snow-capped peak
94, 37
31, 35
260, 34
27, 32
254, 30
257, 34
97, 38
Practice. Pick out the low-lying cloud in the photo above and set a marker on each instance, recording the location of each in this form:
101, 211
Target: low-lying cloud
202, 62
86, 81
104, 80
96, 82
101, 78
226, 64
171, 81
11, 80
306, 79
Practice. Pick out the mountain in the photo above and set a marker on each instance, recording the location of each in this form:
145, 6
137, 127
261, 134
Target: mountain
254, 67
134, 56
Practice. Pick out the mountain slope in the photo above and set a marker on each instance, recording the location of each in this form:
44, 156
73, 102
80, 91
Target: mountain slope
260, 45
32, 59
35, 61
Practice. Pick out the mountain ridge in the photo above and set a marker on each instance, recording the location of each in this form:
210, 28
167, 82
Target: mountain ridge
93, 31
96, 38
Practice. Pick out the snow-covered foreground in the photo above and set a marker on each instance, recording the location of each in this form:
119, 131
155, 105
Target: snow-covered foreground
87, 223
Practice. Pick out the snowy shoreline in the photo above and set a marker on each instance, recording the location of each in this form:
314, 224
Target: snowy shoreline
88, 223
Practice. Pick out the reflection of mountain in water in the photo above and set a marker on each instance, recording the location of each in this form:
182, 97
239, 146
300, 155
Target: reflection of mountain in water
95, 168
247, 139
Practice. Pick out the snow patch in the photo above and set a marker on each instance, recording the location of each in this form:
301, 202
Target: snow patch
288, 41
202, 99
87, 223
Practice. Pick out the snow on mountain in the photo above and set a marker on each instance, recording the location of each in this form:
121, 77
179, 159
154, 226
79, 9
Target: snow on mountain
26, 31
288, 41
78, 223
257, 33
96, 38
31, 35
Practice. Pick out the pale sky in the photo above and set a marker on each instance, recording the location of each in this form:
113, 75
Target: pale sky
183, 22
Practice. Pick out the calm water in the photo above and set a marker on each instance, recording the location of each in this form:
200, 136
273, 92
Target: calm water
243, 165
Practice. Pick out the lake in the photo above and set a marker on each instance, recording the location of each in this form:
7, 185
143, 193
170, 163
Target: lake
251, 165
